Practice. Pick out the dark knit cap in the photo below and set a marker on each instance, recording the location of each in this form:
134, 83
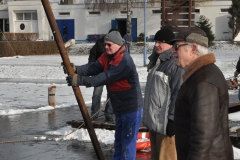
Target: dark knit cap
164, 35
114, 37
192, 35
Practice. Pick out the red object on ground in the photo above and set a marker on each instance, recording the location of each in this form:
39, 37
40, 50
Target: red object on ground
143, 145
143, 141
143, 135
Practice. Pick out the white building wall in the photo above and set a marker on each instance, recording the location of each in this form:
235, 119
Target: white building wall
153, 21
41, 26
100, 24
3, 11
78, 13
219, 20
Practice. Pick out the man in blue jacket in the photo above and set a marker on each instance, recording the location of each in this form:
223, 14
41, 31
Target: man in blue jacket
116, 69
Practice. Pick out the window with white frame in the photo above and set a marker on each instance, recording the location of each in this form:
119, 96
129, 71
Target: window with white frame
26, 16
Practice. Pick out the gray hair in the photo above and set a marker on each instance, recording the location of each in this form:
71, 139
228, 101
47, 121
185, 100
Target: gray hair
201, 50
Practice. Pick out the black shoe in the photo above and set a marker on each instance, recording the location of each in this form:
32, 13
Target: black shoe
109, 120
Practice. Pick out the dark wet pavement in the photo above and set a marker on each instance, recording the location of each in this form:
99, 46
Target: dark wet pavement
29, 125
26, 126
35, 124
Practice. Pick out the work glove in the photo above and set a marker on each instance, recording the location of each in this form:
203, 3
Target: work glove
236, 73
65, 69
75, 80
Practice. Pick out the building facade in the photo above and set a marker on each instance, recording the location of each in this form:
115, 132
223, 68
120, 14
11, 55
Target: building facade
28, 16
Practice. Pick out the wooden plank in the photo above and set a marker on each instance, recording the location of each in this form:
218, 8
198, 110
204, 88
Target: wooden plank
235, 107
181, 22
99, 124
170, 4
179, 10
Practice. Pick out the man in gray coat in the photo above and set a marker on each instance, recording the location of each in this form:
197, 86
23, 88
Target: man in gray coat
201, 112
163, 82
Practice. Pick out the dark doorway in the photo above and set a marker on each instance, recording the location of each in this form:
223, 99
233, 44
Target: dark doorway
4, 25
122, 26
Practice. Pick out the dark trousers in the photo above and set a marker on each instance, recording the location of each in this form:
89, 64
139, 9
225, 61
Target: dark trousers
96, 103
128, 48
65, 38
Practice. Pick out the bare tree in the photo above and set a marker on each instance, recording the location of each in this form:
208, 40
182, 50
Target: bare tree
116, 5
129, 12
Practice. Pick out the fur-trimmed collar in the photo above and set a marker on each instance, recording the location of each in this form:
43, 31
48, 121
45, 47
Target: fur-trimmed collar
197, 64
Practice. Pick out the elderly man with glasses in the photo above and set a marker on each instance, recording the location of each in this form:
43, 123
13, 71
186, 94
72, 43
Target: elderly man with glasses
116, 69
163, 82
201, 111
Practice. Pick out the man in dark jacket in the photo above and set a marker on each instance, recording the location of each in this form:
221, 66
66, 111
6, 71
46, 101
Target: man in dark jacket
96, 51
163, 82
65, 32
201, 112
116, 69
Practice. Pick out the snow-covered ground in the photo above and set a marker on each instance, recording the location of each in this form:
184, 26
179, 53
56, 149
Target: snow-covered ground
24, 82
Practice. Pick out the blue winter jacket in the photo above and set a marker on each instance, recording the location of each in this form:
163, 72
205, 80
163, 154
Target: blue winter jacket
118, 73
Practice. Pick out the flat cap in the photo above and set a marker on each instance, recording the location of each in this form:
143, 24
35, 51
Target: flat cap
192, 35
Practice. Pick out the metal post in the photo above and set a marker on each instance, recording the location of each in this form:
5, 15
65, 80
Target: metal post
77, 91
144, 55
51, 96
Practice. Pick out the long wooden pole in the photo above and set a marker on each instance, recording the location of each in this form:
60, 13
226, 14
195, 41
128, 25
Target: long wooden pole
77, 91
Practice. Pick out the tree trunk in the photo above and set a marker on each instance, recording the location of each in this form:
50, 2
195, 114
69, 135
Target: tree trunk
129, 23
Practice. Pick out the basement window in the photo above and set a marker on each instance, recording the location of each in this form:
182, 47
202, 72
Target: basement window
156, 11
64, 13
94, 12
125, 12
197, 10
224, 10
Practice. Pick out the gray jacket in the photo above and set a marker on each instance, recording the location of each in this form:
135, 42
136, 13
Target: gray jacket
163, 82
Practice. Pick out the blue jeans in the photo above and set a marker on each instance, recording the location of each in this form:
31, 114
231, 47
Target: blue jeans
96, 103
127, 127
128, 47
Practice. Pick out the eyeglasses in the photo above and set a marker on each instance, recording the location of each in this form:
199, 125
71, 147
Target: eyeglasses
177, 46
108, 44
